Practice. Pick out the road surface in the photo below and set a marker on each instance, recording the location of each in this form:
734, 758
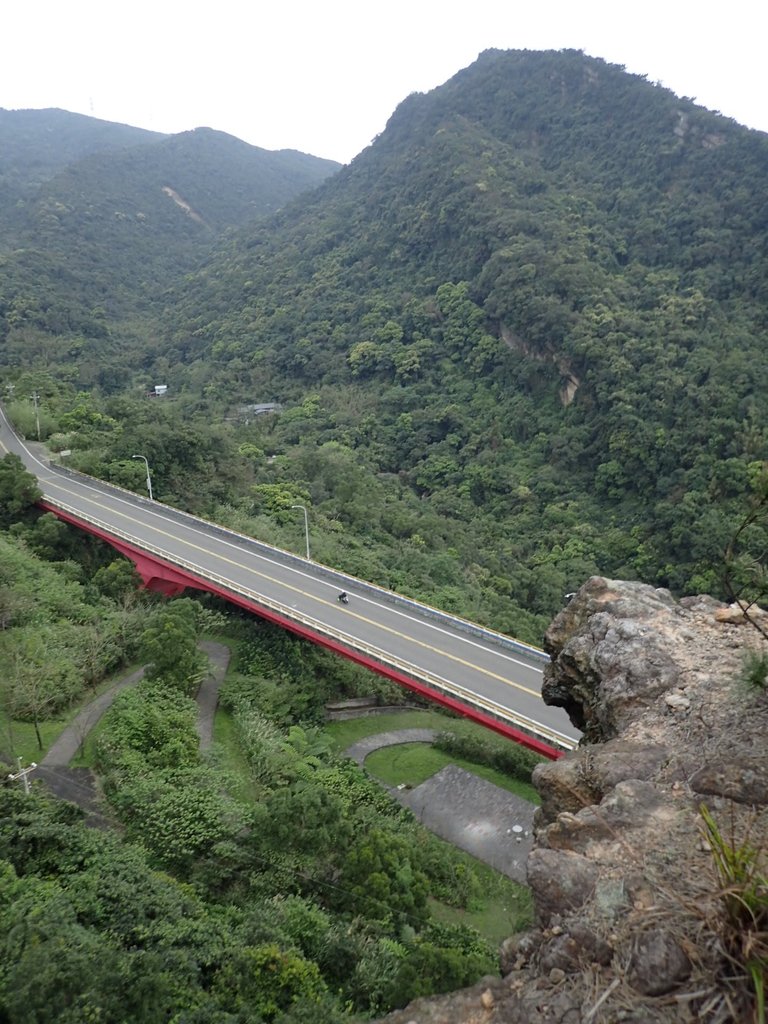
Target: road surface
477, 667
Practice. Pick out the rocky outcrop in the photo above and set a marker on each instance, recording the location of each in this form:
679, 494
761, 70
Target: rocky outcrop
631, 919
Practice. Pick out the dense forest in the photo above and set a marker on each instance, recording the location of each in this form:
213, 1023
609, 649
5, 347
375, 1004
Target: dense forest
96, 226
267, 880
518, 341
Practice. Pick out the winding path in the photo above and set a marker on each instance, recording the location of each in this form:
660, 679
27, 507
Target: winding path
489, 822
78, 785
485, 820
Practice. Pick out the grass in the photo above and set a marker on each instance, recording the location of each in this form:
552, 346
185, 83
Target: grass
755, 670
86, 756
507, 907
18, 739
230, 758
742, 871
414, 763
345, 733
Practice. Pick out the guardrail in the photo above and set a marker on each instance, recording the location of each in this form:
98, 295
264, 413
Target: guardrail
344, 579
321, 629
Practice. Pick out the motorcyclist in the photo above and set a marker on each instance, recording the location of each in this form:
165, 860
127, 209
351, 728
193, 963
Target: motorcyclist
343, 597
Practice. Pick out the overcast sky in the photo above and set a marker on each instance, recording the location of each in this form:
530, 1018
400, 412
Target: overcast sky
324, 77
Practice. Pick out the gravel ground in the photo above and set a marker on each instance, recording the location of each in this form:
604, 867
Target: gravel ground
485, 820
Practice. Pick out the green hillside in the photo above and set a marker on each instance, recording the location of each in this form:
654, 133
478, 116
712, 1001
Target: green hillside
533, 315
35, 144
519, 340
114, 226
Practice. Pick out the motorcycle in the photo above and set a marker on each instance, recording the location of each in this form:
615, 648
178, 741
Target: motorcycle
342, 598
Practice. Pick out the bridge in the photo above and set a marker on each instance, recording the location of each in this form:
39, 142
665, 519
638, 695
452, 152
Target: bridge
483, 675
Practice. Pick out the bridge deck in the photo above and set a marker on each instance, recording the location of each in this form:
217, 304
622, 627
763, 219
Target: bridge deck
484, 673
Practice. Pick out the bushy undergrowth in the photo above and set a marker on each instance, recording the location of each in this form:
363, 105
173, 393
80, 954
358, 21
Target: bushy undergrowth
322, 840
741, 868
506, 757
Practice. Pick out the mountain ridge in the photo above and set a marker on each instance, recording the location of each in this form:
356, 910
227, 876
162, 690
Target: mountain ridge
104, 210
501, 331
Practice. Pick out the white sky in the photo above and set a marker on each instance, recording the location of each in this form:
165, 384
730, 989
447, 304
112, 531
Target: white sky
323, 77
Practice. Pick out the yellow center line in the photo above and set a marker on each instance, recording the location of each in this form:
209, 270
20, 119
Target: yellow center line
305, 594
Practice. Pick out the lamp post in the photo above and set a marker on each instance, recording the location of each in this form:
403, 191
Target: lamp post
306, 527
35, 398
22, 774
149, 479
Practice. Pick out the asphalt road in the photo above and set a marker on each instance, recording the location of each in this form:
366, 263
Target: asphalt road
478, 669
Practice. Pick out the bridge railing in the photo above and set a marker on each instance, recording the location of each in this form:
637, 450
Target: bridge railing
384, 658
344, 580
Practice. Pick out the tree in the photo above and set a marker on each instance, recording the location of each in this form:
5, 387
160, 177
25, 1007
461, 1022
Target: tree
179, 817
150, 726
383, 876
118, 579
745, 560
32, 690
170, 641
261, 981
305, 818
18, 489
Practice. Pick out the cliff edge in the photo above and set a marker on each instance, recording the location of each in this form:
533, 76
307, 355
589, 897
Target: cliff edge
634, 921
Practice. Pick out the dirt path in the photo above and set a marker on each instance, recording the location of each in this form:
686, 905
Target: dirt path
78, 785
208, 694
491, 823
72, 738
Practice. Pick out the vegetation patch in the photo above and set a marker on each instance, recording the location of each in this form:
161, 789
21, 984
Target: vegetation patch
503, 907
413, 763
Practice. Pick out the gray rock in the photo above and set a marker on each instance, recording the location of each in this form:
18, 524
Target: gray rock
744, 779
592, 947
606, 660
561, 881
582, 777
518, 949
658, 963
561, 953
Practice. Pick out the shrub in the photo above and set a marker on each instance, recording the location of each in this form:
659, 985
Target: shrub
755, 670
506, 757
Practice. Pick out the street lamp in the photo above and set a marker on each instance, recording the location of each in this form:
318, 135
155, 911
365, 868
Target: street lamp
306, 527
149, 480
22, 774
36, 398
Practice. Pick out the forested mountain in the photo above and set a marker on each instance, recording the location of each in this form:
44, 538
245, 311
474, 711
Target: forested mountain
539, 300
35, 144
111, 217
519, 340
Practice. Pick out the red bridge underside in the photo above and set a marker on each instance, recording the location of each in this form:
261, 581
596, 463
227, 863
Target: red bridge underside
165, 578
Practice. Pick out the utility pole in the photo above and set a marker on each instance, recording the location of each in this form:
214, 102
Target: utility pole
22, 774
306, 526
36, 398
149, 478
